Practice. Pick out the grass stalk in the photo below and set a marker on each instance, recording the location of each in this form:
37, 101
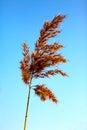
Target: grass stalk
27, 107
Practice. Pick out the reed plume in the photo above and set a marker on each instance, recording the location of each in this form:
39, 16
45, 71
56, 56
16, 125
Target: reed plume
40, 62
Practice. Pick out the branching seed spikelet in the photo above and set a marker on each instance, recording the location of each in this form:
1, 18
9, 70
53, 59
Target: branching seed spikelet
44, 93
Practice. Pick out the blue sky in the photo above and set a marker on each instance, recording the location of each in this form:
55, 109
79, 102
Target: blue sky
21, 20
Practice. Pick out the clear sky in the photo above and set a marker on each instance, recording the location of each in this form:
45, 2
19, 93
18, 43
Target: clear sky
21, 20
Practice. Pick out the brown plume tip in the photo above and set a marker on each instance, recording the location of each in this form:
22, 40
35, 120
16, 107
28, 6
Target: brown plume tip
24, 64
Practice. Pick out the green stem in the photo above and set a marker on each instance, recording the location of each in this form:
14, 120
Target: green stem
28, 101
